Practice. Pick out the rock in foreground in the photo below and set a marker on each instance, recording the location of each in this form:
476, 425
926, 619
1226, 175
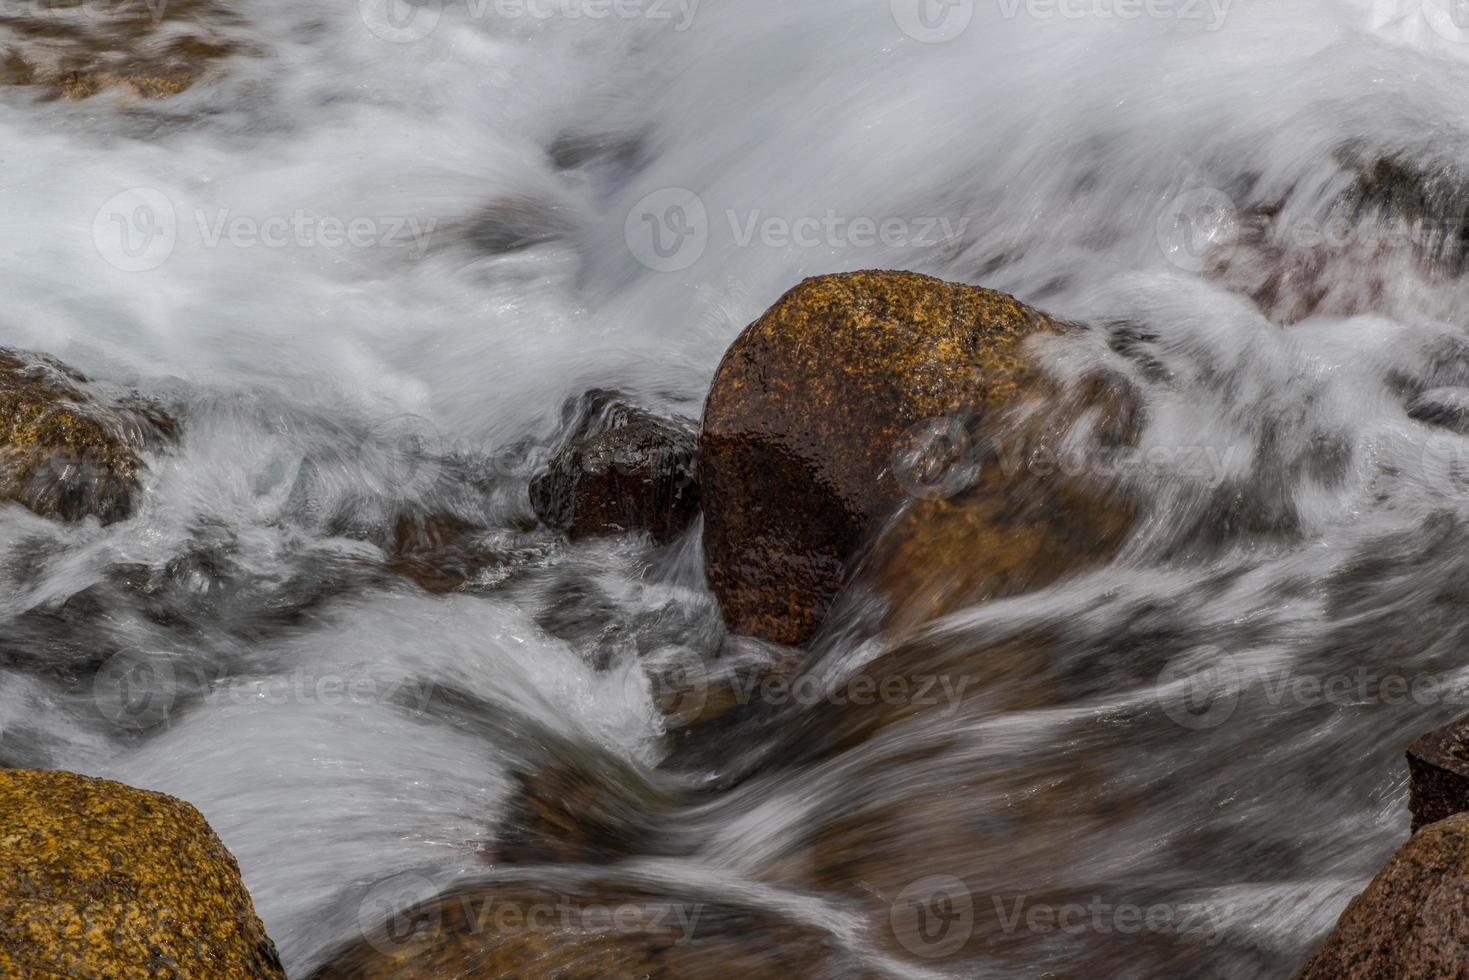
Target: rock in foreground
619, 468
62, 453
1412, 922
98, 879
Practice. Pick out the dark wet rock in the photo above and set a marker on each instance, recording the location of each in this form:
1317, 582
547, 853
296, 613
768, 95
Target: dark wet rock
591, 931
849, 397
619, 468
578, 148
1412, 921
436, 551
1393, 216
597, 812
1446, 407
1430, 197
98, 879
445, 553
63, 453
515, 223
1438, 765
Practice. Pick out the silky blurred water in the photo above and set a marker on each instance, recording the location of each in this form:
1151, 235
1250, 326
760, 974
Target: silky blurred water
382, 226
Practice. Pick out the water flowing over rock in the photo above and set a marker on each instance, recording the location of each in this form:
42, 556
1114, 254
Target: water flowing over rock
1411, 921
62, 453
100, 879
823, 419
593, 931
153, 50
619, 468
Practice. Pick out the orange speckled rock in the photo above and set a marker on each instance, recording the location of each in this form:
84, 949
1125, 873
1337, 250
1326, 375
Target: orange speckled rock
1412, 921
805, 417
62, 454
98, 879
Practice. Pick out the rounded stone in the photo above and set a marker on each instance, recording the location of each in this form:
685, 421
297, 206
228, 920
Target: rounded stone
806, 413
98, 879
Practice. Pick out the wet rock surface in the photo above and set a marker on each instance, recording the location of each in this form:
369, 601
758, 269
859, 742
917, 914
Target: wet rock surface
821, 422
62, 452
588, 812
591, 931
619, 468
1412, 920
100, 879
1438, 766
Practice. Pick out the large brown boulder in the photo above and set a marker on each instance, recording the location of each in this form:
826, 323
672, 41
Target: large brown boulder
63, 452
1413, 919
821, 421
98, 879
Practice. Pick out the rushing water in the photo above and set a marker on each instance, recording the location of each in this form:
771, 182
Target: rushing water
549, 203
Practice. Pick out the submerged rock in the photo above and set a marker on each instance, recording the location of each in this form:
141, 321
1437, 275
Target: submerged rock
821, 421
62, 454
1022, 522
1412, 921
152, 50
98, 879
590, 931
1438, 764
581, 814
619, 468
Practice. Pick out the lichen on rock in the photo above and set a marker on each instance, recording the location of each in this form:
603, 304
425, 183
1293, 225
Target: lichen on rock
98, 879
801, 451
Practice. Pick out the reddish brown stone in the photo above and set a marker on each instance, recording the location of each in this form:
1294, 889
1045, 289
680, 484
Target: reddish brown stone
1439, 766
806, 413
1412, 921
